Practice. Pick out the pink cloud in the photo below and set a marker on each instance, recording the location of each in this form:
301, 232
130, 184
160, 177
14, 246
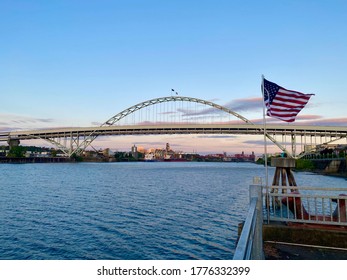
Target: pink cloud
307, 120
308, 117
327, 122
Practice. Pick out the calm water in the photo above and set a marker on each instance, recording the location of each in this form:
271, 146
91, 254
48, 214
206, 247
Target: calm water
126, 210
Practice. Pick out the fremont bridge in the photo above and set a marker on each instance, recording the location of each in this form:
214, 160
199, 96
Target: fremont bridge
183, 115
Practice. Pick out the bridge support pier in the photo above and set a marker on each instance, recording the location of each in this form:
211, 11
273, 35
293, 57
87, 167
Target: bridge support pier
13, 142
293, 138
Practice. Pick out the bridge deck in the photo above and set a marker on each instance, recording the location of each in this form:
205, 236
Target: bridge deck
335, 131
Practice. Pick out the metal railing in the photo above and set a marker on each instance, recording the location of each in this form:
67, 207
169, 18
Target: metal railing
250, 243
306, 205
326, 206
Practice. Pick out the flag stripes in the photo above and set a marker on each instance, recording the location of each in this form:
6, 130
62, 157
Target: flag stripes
283, 104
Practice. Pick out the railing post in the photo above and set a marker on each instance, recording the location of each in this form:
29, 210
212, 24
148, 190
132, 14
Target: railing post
255, 192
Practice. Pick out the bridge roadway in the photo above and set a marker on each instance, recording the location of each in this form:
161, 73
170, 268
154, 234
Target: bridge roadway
336, 132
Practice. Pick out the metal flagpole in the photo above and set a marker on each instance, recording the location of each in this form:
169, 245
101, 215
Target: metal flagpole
265, 149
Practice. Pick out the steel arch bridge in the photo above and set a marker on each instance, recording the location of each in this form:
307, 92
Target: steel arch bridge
75, 140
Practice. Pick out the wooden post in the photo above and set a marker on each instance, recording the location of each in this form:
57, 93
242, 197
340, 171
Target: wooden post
282, 172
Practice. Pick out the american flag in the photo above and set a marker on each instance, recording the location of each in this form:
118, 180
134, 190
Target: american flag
283, 104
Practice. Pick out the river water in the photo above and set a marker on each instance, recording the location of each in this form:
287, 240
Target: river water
159, 210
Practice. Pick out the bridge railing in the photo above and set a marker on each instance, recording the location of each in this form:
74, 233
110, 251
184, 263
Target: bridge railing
312, 205
250, 243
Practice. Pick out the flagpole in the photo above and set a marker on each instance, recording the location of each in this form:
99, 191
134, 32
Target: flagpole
264, 123
265, 146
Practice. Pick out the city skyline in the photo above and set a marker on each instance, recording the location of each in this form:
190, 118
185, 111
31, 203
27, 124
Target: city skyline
79, 63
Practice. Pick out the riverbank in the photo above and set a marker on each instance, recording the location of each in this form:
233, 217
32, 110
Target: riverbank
35, 159
332, 167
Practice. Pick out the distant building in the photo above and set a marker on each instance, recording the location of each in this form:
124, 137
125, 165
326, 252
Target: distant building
106, 152
35, 154
240, 157
149, 157
90, 154
161, 154
134, 152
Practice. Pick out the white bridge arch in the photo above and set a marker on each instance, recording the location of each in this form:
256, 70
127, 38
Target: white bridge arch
173, 98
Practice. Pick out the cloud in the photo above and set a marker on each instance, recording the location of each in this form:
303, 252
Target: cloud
254, 142
315, 120
150, 123
216, 136
237, 105
260, 142
207, 111
245, 104
167, 113
17, 122
326, 122
7, 128
153, 143
96, 123
215, 100
45, 120
28, 120
299, 120
308, 117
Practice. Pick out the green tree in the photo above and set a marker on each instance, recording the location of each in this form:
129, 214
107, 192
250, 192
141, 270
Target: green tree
54, 153
304, 164
342, 153
17, 151
76, 158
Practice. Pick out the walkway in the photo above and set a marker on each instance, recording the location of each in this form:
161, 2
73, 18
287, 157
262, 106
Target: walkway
304, 242
280, 251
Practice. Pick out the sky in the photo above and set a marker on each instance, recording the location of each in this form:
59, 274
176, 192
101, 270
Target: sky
77, 63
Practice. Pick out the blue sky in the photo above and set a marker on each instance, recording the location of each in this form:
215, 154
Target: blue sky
74, 63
